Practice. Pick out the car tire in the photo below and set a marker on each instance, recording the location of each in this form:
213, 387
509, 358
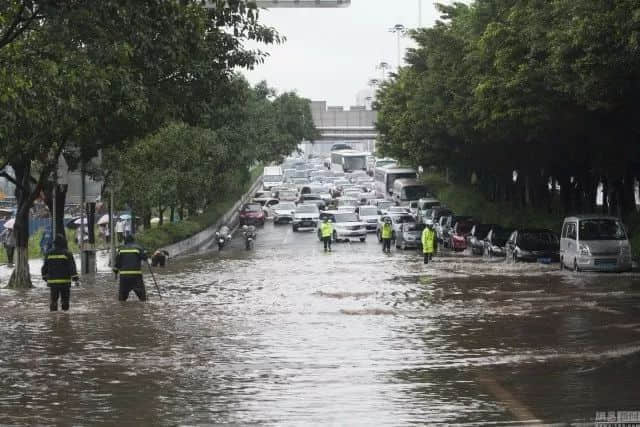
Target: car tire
335, 236
295, 229
363, 239
561, 264
576, 269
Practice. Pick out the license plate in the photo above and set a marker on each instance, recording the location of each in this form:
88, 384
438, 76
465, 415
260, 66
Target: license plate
545, 260
307, 224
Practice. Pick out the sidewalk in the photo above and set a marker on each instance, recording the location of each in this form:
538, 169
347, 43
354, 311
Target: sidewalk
35, 264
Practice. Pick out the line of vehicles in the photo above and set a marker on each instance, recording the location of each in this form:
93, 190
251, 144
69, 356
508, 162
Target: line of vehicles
358, 193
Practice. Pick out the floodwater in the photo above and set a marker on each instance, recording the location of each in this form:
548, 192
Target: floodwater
288, 335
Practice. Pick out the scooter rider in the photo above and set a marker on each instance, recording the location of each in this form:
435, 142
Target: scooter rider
129, 267
428, 243
59, 269
386, 235
223, 236
249, 233
326, 232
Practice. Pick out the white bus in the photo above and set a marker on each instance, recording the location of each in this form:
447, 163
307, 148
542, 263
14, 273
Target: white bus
386, 176
348, 161
406, 190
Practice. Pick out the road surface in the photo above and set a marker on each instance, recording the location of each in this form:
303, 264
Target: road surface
288, 335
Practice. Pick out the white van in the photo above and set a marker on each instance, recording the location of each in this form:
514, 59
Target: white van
272, 177
594, 242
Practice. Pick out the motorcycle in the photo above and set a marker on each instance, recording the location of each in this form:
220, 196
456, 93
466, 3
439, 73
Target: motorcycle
249, 238
223, 236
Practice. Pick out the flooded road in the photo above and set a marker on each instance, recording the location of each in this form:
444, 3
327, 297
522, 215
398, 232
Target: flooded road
288, 335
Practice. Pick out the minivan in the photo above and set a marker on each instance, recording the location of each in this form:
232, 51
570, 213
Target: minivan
594, 242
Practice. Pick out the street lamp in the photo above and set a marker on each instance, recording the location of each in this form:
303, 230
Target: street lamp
374, 82
399, 31
384, 66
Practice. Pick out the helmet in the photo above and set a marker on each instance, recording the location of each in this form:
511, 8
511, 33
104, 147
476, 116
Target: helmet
245, 228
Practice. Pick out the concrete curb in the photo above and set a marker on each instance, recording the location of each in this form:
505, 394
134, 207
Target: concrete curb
205, 238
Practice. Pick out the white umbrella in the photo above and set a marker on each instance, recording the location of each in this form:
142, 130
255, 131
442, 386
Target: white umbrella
155, 220
104, 219
9, 223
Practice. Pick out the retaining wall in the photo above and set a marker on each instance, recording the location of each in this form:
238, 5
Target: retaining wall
206, 237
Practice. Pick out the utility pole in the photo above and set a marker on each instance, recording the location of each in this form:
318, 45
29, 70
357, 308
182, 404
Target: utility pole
399, 30
384, 66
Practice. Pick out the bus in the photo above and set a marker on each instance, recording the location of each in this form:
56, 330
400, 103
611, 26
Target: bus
407, 190
348, 161
341, 146
272, 177
386, 176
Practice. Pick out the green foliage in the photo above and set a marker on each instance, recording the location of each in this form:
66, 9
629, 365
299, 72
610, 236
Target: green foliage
546, 88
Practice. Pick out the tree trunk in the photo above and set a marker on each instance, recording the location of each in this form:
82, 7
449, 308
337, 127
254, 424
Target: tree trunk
146, 218
172, 214
161, 212
21, 278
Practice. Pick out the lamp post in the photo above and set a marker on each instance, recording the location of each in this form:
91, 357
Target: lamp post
384, 66
399, 30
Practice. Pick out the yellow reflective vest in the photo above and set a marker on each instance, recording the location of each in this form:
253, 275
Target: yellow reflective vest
326, 229
387, 231
428, 240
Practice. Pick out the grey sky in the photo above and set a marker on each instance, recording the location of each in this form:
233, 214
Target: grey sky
330, 54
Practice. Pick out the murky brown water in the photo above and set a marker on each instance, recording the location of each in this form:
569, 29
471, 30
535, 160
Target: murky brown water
289, 335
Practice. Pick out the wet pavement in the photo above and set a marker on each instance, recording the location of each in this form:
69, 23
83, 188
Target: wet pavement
288, 335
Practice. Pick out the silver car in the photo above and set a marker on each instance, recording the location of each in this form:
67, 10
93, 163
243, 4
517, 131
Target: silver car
410, 236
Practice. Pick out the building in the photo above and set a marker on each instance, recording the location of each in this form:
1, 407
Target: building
355, 126
303, 3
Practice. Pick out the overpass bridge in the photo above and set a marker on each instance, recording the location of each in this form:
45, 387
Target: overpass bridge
268, 4
355, 126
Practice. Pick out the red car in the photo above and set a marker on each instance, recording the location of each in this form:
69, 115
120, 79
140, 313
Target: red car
252, 214
459, 235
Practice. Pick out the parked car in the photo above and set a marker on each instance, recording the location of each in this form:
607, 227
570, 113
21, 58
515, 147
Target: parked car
533, 245
436, 214
410, 235
459, 234
283, 212
369, 215
594, 242
252, 214
477, 237
305, 216
346, 227
496, 241
396, 221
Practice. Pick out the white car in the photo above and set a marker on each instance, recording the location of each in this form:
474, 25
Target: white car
283, 212
369, 215
305, 216
346, 226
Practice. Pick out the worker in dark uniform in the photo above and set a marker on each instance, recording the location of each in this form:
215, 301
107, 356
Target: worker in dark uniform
129, 266
58, 270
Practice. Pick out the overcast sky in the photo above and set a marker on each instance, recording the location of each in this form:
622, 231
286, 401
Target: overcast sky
330, 54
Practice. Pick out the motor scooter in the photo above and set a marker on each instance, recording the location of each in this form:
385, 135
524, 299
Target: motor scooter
249, 238
223, 236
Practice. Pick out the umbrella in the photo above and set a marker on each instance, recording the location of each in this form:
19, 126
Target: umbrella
125, 216
9, 223
104, 219
74, 223
155, 220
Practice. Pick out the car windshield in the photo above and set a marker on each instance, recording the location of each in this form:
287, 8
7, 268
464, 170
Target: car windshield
286, 207
384, 205
252, 208
272, 178
537, 240
347, 202
346, 217
402, 219
414, 227
601, 229
307, 209
464, 227
368, 211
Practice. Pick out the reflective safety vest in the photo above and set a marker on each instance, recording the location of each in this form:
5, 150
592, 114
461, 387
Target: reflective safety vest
59, 268
129, 260
428, 240
387, 231
326, 229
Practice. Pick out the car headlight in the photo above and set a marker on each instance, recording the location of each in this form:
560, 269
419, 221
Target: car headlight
584, 250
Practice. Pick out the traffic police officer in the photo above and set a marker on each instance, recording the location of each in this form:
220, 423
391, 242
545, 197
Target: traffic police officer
386, 235
428, 243
58, 270
129, 266
326, 231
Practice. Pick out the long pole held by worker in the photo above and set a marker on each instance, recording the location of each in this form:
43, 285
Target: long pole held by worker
154, 280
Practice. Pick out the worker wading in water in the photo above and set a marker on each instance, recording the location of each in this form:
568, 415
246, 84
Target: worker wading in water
428, 243
386, 234
129, 266
326, 231
58, 270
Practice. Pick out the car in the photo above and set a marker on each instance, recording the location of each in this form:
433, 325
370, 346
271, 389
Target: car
436, 214
346, 226
252, 214
530, 244
283, 212
400, 210
459, 234
426, 204
369, 215
409, 235
347, 201
477, 237
396, 221
594, 242
305, 216
312, 198
496, 240
288, 195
